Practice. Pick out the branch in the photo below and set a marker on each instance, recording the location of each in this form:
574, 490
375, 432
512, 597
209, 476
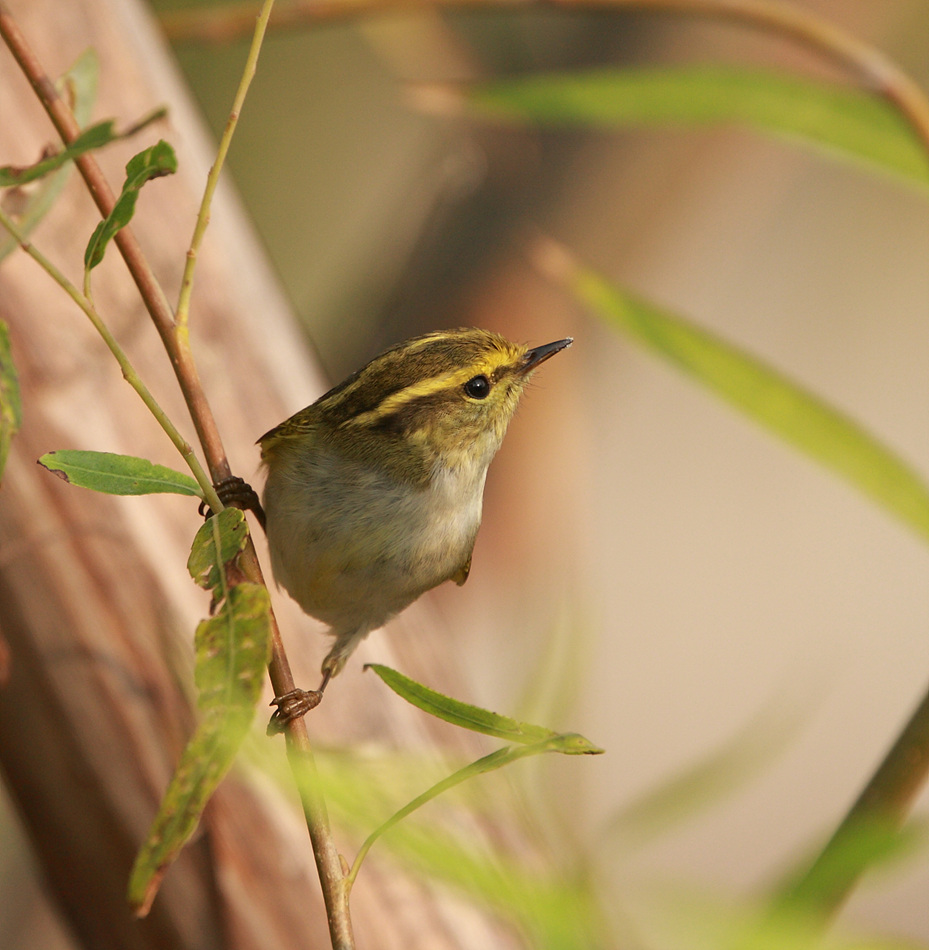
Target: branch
298, 745
203, 218
128, 370
217, 24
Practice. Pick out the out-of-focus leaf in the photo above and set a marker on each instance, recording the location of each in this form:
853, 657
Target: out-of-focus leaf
698, 919
117, 474
556, 910
765, 395
863, 847
715, 777
153, 162
11, 410
847, 122
232, 652
569, 744
79, 87
475, 718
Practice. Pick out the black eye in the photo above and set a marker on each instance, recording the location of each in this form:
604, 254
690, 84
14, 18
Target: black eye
477, 387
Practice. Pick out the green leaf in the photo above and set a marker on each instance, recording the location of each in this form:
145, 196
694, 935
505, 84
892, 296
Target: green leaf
767, 396
93, 138
557, 909
217, 542
117, 474
232, 652
153, 162
11, 410
475, 718
847, 122
568, 744
79, 86
861, 847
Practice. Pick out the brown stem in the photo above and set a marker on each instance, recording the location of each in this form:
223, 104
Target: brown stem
890, 792
150, 290
299, 750
223, 23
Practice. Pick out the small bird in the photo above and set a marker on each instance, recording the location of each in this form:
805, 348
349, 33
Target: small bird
374, 492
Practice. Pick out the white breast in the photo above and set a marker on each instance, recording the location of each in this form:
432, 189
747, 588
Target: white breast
359, 546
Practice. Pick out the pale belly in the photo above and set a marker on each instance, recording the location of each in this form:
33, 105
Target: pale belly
363, 547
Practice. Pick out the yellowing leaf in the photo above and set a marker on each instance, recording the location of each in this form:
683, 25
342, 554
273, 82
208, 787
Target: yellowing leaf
232, 653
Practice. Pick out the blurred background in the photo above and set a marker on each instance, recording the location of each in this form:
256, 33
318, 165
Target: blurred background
653, 571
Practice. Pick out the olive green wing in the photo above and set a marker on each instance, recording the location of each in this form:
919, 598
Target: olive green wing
461, 575
299, 425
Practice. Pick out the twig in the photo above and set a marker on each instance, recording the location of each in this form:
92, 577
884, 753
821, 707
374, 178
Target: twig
128, 370
150, 290
299, 750
891, 791
223, 23
222, 150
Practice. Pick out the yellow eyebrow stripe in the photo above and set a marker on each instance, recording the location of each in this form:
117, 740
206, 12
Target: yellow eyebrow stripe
425, 387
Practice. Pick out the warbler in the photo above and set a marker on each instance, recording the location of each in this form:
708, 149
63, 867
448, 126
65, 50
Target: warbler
374, 492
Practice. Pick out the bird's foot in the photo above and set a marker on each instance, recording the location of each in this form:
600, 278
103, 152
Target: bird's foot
293, 705
235, 492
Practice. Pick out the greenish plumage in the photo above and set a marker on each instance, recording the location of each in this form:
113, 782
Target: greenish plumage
374, 492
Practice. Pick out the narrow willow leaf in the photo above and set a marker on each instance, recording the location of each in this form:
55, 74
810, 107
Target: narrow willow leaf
205, 561
79, 87
95, 137
475, 718
558, 910
868, 844
569, 744
232, 652
153, 162
11, 410
117, 474
847, 122
762, 393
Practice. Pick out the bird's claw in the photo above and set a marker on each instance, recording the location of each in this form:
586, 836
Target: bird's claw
235, 492
292, 705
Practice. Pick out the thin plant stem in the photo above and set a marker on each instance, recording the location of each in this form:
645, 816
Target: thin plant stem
222, 150
905, 768
84, 301
222, 23
150, 290
176, 342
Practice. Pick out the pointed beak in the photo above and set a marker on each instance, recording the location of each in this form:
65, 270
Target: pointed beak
535, 357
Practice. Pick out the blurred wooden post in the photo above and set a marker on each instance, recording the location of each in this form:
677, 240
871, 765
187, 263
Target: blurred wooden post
96, 610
